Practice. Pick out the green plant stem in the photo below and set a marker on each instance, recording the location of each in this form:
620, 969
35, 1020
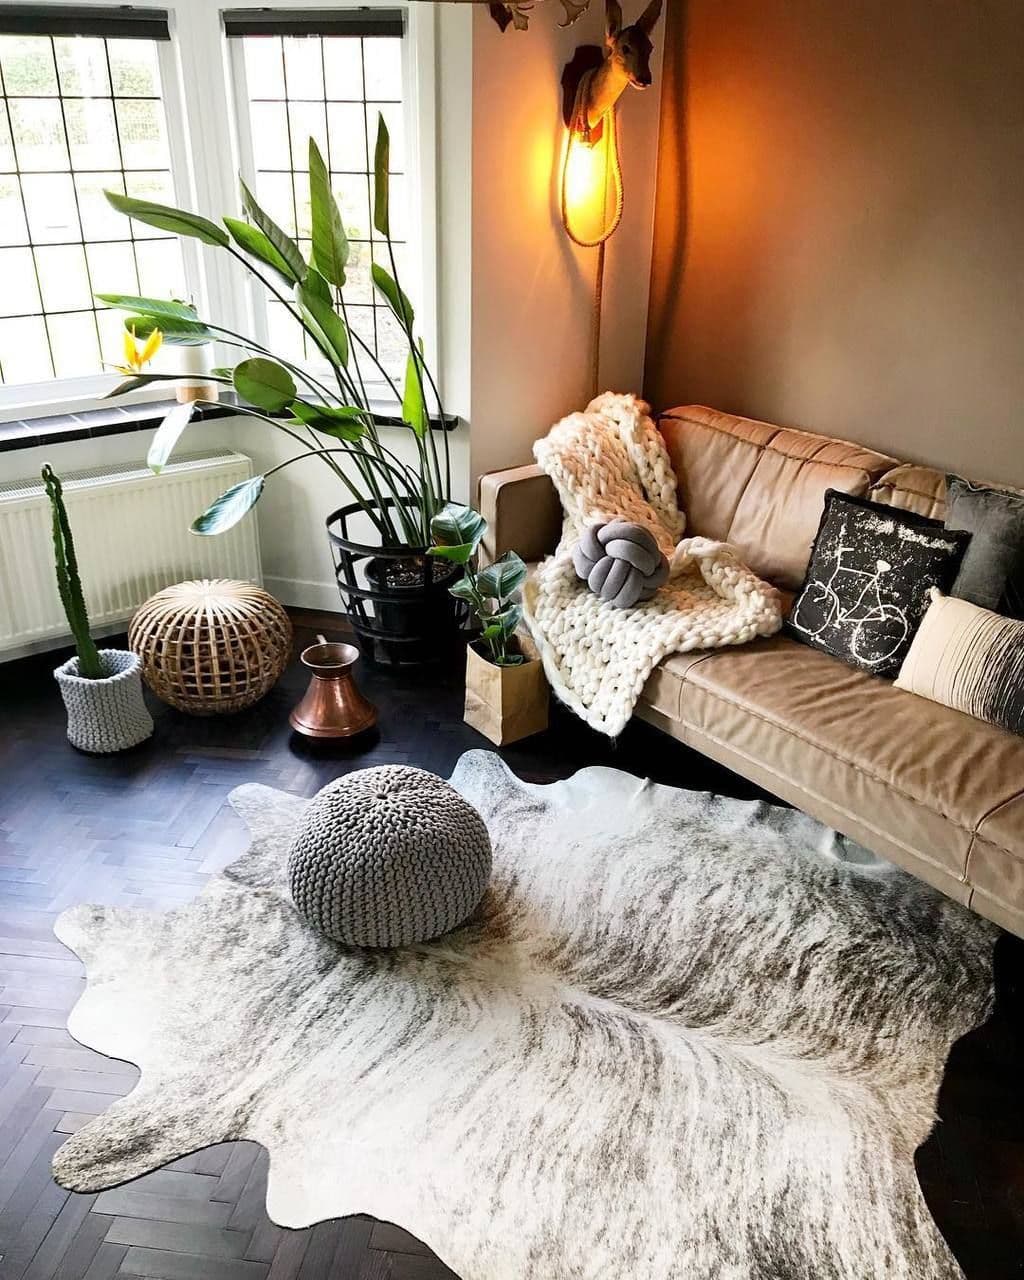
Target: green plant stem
319, 453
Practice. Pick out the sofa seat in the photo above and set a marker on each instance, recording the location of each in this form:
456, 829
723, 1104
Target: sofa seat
909, 778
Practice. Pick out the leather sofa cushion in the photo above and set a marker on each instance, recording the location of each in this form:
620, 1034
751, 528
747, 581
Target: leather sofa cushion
762, 487
778, 700
913, 488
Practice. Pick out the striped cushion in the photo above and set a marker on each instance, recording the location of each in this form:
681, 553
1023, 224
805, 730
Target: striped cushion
970, 659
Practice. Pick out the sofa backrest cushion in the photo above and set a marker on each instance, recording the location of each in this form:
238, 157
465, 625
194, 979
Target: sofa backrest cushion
762, 487
913, 488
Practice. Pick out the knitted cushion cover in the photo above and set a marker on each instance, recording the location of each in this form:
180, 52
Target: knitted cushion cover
387, 857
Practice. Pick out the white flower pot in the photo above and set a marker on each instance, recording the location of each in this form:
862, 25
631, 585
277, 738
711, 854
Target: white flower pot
108, 714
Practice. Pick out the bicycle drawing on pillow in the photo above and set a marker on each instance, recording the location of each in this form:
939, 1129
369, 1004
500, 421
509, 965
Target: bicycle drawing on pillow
879, 627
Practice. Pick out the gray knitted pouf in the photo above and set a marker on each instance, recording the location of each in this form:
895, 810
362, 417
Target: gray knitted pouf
389, 856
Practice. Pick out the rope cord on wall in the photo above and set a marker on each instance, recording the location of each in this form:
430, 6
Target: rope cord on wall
613, 182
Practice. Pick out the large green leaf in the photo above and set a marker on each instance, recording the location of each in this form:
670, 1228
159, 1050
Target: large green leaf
156, 308
178, 333
179, 221
168, 434
279, 238
506, 621
345, 422
230, 507
381, 164
396, 299
252, 240
414, 407
499, 580
457, 531
325, 325
330, 243
264, 383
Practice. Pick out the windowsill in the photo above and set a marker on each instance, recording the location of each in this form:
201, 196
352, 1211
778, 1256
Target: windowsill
115, 420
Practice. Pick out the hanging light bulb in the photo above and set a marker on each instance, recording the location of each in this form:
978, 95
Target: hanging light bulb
592, 182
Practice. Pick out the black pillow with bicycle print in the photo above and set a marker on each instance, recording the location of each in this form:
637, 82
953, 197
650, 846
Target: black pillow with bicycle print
867, 586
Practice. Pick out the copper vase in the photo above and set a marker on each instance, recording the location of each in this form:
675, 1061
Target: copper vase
333, 707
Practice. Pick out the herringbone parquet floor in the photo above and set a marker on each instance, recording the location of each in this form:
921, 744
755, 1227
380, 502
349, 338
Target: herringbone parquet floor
147, 828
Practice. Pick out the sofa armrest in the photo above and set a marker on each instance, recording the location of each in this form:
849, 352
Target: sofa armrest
522, 512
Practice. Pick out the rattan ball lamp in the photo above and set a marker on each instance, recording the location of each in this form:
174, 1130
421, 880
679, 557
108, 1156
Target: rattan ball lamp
211, 646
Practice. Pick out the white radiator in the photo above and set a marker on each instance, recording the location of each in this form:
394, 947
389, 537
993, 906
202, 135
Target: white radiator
132, 538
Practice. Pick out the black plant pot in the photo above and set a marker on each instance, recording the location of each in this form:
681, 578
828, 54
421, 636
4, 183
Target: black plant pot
396, 598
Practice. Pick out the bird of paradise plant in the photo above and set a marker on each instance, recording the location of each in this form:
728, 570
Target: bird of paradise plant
332, 421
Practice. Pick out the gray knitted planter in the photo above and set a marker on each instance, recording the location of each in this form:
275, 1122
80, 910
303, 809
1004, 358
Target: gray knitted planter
109, 714
389, 856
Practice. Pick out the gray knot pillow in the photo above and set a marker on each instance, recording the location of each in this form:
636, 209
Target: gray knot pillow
620, 562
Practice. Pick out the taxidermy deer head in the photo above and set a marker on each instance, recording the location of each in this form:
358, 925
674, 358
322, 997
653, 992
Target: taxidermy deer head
626, 61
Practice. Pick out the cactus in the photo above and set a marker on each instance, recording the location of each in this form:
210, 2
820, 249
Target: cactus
68, 582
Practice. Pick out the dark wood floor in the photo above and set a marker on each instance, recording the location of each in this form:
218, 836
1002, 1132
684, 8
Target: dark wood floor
148, 827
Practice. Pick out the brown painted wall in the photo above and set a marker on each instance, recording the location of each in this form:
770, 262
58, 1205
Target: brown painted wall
839, 237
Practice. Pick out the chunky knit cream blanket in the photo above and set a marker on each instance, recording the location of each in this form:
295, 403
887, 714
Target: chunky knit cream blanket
607, 462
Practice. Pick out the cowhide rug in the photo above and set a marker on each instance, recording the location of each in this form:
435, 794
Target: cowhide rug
679, 1041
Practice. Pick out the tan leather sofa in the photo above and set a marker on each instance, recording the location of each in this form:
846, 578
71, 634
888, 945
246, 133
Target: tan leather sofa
936, 791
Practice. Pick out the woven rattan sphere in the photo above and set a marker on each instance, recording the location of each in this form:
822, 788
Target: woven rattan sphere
387, 857
211, 646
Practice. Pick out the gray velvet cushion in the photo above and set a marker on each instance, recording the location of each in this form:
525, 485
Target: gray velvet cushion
992, 571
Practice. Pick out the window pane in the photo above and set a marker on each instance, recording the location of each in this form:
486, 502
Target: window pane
7, 162
134, 68
161, 273
353, 195
303, 213
307, 120
264, 66
111, 327
382, 60
359, 287
112, 267
99, 220
12, 217
141, 129
285, 335
63, 278
27, 65
74, 344
78, 117
19, 296
321, 94
50, 202
38, 134
81, 66
270, 125
24, 350
392, 345
343, 69
274, 192
92, 134
303, 68
347, 133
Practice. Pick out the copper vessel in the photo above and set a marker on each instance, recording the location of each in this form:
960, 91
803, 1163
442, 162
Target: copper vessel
333, 707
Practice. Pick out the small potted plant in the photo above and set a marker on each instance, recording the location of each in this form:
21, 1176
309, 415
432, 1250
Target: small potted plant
101, 688
506, 692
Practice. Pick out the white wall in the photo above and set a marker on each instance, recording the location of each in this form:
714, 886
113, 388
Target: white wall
515, 296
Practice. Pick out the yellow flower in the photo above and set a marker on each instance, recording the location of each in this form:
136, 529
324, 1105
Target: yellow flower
136, 359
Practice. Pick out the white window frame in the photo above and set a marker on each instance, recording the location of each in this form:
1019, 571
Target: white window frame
208, 136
